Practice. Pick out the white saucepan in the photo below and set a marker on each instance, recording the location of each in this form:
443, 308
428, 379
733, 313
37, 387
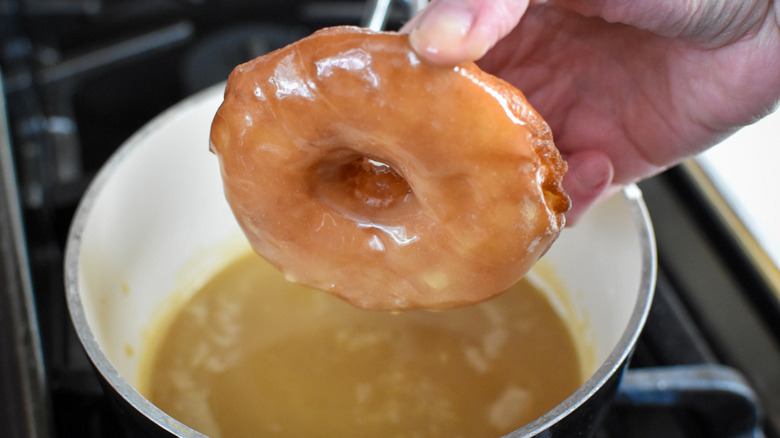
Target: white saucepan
155, 219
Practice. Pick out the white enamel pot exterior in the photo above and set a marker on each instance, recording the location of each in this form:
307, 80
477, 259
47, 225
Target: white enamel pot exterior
155, 220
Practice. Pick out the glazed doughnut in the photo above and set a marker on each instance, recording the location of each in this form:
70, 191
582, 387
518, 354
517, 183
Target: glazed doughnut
358, 169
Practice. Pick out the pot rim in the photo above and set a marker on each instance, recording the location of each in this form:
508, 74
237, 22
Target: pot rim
617, 357
78, 316
620, 354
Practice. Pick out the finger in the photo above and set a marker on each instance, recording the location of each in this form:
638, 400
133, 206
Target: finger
711, 22
588, 180
449, 32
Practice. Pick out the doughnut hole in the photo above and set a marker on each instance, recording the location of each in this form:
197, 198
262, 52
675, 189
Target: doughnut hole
362, 188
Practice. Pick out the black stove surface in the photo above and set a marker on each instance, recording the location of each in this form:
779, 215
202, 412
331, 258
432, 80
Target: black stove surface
80, 76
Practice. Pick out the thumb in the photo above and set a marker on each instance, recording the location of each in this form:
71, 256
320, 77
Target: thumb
587, 181
449, 32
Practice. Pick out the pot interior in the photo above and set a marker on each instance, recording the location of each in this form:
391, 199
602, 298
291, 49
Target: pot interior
155, 221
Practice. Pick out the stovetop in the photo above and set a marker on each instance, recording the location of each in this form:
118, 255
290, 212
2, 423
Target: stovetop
80, 76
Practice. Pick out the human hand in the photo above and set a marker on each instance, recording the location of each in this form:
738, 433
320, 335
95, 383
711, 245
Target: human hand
628, 88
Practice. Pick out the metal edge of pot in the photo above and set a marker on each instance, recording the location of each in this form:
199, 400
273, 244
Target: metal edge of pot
618, 358
109, 374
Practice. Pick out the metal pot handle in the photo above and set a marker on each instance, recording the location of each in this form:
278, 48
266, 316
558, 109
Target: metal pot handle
376, 12
718, 393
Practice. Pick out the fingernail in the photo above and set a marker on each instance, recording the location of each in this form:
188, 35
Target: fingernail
442, 28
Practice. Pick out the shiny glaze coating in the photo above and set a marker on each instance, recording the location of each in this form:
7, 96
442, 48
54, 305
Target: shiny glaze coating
358, 169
